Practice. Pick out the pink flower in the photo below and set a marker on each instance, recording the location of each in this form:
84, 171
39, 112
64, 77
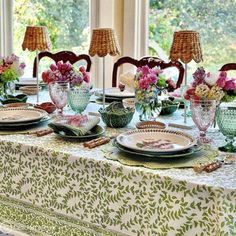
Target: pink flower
152, 78
221, 81
82, 69
144, 69
53, 67
143, 83
156, 70
230, 85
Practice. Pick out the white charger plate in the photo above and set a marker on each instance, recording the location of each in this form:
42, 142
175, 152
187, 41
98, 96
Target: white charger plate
156, 140
20, 115
115, 93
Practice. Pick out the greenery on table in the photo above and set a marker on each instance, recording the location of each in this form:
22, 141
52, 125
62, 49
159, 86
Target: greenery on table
214, 20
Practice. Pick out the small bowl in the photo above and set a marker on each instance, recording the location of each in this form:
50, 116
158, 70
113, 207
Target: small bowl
116, 115
20, 98
169, 106
46, 106
128, 102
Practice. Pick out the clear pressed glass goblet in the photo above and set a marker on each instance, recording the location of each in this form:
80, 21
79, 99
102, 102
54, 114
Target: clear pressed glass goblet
78, 98
226, 120
203, 113
58, 93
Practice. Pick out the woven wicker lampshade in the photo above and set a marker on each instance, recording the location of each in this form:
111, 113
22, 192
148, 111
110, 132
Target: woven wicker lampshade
186, 47
36, 38
103, 42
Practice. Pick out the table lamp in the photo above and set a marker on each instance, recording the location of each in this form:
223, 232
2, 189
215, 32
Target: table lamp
186, 47
36, 39
103, 42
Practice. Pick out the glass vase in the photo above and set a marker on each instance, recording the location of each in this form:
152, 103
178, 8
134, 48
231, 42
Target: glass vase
147, 104
203, 113
226, 120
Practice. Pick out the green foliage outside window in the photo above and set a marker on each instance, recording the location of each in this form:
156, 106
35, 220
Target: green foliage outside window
213, 19
67, 22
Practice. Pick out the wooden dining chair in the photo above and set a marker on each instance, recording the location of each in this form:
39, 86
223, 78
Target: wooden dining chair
64, 56
151, 62
228, 66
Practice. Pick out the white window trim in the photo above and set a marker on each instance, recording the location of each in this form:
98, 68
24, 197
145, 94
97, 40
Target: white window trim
6, 27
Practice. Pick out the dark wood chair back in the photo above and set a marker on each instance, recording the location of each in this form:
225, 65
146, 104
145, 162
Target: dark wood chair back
151, 62
63, 56
228, 66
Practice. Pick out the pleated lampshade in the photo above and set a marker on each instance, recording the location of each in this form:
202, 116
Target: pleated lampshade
103, 42
186, 47
36, 38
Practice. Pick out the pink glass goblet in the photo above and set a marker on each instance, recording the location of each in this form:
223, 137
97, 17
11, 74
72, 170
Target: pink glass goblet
203, 113
58, 93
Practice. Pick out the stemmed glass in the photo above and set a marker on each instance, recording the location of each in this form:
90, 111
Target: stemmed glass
58, 93
203, 113
226, 120
78, 98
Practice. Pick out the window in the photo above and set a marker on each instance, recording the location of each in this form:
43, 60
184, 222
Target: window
67, 23
213, 19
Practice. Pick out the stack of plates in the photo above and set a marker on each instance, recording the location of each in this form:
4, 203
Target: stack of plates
114, 94
20, 118
155, 143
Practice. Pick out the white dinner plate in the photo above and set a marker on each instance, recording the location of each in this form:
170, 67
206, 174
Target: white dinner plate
19, 115
156, 140
115, 93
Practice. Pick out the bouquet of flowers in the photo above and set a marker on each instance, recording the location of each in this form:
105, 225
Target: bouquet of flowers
211, 86
148, 78
148, 82
65, 72
10, 69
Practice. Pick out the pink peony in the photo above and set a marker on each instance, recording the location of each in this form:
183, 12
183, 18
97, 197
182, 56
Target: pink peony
143, 83
230, 85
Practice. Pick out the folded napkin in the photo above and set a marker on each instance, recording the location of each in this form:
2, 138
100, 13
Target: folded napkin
70, 130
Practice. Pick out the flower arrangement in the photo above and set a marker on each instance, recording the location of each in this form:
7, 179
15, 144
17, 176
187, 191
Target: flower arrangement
211, 86
148, 82
10, 69
65, 72
148, 78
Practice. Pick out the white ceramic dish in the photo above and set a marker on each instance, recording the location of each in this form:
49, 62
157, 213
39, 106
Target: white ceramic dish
19, 115
115, 92
156, 140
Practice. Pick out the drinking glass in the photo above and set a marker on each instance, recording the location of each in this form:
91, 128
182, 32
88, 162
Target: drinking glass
226, 120
58, 93
203, 113
78, 98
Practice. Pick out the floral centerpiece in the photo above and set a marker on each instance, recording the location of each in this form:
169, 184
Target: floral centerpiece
66, 73
209, 86
148, 82
10, 70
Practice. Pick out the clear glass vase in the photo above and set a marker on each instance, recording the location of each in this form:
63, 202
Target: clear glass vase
226, 120
203, 113
147, 104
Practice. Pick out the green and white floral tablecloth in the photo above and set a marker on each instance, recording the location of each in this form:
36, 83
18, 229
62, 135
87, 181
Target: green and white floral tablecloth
49, 186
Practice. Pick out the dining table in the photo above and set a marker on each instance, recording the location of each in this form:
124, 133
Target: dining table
55, 186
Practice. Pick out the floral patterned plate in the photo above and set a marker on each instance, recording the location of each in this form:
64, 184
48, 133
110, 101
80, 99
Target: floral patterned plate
21, 115
156, 140
185, 153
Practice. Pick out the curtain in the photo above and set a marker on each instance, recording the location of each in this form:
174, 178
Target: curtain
6, 27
